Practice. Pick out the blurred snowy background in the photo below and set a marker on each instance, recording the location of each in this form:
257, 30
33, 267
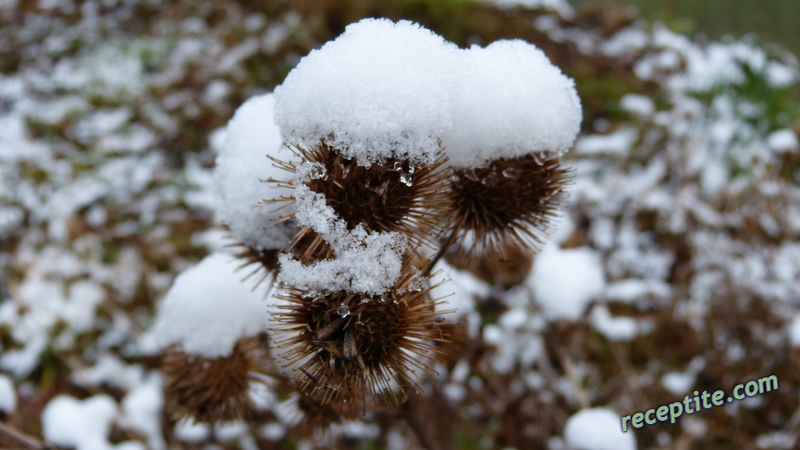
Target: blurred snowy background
676, 266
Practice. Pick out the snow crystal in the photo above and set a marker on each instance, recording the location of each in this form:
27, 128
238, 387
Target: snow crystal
8, 396
83, 424
511, 102
242, 162
209, 308
597, 429
381, 89
565, 281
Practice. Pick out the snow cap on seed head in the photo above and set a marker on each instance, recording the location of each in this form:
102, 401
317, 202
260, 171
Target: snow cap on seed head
380, 90
208, 309
511, 101
242, 163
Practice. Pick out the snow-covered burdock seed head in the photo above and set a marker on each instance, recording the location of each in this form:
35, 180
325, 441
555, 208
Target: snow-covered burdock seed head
380, 90
514, 115
212, 325
352, 349
251, 145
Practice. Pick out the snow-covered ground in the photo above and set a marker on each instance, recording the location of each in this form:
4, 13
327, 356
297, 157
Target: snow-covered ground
674, 268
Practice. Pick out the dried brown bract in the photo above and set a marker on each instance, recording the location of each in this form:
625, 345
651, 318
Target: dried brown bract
214, 390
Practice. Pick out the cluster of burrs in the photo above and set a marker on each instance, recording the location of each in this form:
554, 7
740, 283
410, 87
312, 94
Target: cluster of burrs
383, 163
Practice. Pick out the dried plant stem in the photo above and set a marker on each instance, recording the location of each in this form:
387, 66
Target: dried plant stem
449, 243
580, 393
421, 431
28, 441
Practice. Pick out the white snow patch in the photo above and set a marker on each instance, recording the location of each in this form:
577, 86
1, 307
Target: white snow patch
8, 395
794, 331
783, 141
565, 281
633, 289
188, 431
209, 308
616, 143
597, 429
640, 106
142, 411
83, 424
562, 7
617, 328
679, 383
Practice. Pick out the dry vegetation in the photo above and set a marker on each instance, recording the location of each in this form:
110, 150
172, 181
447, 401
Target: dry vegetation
712, 312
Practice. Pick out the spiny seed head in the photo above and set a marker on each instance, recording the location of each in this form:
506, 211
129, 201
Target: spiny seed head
214, 390
260, 263
392, 196
508, 203
307, 415
351, 348
506, 266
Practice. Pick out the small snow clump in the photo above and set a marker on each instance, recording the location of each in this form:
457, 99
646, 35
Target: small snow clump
8, 396
565, 281
597, 429
85, 424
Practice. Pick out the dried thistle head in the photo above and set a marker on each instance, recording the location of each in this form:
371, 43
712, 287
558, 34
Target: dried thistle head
395, 196
307, 415
260, 263
353, 349
505, 266
214, 389
507, 205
